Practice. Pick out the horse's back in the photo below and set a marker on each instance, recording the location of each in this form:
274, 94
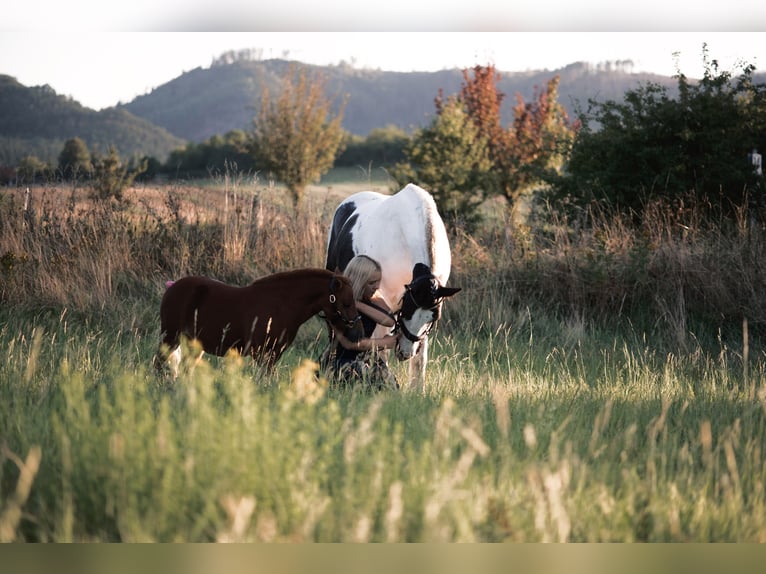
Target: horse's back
188, 297
340, 248
396, 230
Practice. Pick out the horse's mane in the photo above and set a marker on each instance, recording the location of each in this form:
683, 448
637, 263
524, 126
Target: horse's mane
306, 273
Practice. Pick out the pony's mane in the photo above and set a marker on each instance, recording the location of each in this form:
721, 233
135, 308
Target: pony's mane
307, 273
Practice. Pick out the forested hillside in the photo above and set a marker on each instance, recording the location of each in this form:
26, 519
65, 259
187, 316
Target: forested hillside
37, 121
225, 96
214, 100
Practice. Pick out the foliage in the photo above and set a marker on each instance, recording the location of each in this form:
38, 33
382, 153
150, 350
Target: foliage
451, 160
295, 135
532, 148
211, 156
32, 169
383, 147
518, 157
111, 177
37, 121
652, 145
74, 159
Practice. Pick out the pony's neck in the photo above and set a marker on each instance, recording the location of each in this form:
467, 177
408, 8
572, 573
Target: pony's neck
311, 290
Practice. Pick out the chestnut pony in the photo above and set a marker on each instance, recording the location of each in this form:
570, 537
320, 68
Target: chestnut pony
260, 320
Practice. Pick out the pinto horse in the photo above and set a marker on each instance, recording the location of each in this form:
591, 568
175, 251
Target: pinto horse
260, 320
405, 234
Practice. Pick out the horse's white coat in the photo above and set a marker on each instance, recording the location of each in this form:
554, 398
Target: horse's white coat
399, 231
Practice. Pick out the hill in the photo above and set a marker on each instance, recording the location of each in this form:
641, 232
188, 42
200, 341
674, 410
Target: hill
208, 101
224, 96
37, 121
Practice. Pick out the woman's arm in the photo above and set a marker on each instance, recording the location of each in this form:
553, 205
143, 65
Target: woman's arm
385, 342
376, 315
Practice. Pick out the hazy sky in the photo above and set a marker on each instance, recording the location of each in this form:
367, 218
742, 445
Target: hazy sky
101, 53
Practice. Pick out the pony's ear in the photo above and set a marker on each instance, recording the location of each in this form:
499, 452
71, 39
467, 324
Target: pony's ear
447, 291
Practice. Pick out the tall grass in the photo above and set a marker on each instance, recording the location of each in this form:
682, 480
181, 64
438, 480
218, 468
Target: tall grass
591, 383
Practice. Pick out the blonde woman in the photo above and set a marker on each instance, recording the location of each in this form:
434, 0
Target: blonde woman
359, 360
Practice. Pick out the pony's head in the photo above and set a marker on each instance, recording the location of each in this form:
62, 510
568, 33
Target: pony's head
421, 308
341, 309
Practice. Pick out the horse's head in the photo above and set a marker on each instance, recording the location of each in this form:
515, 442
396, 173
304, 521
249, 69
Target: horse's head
421, 308
341, 309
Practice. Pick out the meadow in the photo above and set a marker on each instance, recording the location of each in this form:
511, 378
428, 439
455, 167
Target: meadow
594, 381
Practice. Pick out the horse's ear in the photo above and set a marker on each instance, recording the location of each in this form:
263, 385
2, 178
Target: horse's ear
447, 291
420, 269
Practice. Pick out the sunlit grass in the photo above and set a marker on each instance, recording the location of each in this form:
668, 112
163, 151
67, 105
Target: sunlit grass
555, 408
583, 444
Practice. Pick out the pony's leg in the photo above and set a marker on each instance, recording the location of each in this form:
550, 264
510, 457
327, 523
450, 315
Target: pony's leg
418, 367
166, 358
174, 360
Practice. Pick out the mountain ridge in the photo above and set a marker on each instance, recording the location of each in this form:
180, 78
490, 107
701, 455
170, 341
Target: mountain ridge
223, 97
377, 98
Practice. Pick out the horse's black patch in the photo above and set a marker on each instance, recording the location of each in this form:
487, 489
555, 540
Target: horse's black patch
419, 270
340, 249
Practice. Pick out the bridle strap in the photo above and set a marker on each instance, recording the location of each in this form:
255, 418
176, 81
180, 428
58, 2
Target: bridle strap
437, 302
333, 300
409, 334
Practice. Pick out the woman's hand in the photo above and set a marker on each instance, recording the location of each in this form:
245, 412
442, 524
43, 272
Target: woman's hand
385, 342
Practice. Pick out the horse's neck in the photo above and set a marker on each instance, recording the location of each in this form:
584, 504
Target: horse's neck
305, 294
313, 291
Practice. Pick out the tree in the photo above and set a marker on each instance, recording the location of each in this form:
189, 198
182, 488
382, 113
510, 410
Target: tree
382, 147
533, 147
451, 160
296, 136
111, 177
653, 145
216, 154
74, 159
32, 169
489, 159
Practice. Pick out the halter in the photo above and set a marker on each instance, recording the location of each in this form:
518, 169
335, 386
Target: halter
435, 307
333, 299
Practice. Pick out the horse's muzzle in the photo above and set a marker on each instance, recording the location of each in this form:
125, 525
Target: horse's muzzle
354, 331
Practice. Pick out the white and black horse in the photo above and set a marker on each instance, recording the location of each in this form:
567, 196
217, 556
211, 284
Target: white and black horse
406, 235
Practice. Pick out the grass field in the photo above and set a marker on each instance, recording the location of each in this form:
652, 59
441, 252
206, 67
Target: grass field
589, 384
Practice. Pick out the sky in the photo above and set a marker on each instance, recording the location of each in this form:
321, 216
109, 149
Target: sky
102, 55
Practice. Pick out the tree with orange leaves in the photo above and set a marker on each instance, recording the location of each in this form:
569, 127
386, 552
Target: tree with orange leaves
467, 155
532, 148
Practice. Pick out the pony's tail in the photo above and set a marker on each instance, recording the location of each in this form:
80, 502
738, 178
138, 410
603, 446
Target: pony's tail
168, 284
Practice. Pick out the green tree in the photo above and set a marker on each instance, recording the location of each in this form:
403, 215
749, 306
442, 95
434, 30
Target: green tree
216, 154
382, 147
296, 137
653, 145
32, 169
74, 159
451, 160
111, 177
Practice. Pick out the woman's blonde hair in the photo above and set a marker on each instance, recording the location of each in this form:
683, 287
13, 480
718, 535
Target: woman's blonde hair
359, 270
